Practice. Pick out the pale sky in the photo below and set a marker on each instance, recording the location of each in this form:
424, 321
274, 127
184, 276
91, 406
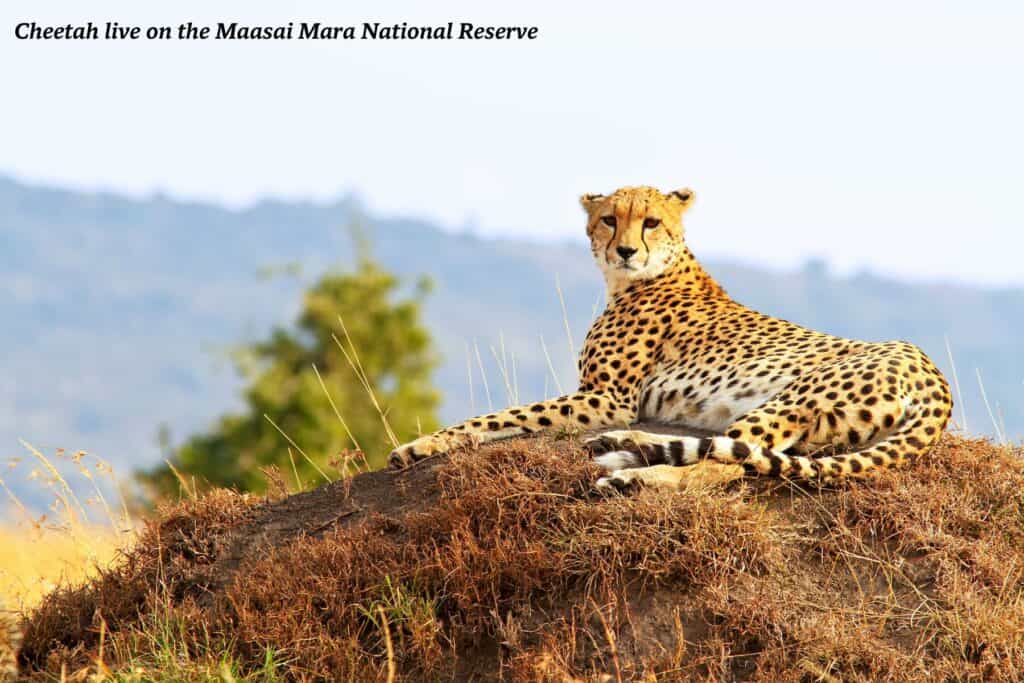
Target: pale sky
887, 135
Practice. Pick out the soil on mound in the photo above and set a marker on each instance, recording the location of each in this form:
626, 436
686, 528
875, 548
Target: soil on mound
504, 563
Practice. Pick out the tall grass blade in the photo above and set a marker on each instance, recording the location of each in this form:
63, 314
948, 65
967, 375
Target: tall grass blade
565, 319
956, 383
551, 368
483, 376
334, 407
296, 446
1000, 437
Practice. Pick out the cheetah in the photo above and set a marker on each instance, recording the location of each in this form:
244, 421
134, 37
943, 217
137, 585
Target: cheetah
671, 346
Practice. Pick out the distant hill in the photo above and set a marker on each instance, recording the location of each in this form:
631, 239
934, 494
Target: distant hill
116, 312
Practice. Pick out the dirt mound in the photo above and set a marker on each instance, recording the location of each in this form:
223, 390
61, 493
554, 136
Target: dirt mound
504, 563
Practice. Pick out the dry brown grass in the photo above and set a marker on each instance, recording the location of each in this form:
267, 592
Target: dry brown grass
511, 568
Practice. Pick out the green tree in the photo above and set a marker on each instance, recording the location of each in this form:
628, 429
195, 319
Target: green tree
353, 314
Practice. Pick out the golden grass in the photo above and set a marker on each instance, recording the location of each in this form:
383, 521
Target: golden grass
35, 560
81, 534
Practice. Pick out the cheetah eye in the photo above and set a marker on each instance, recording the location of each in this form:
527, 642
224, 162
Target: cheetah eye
608, 220
650, 223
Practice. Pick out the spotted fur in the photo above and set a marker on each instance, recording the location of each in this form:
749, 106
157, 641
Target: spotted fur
672, 346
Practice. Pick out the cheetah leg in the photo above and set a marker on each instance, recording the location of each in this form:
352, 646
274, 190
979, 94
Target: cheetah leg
704, 475
583, 410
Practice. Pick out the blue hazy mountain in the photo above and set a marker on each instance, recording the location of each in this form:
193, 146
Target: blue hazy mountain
117, 313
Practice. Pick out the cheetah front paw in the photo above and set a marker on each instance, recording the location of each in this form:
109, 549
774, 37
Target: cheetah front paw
426, 446
416, 450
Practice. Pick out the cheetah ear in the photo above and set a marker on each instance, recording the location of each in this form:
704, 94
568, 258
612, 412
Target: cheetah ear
683, 196
590, 201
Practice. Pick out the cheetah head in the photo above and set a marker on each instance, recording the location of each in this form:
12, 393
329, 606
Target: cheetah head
636, 233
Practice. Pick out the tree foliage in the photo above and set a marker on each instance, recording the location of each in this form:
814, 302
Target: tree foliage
351, 323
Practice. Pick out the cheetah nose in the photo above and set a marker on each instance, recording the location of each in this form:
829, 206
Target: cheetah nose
625, 252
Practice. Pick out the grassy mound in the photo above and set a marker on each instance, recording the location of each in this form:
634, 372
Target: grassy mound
503, 563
